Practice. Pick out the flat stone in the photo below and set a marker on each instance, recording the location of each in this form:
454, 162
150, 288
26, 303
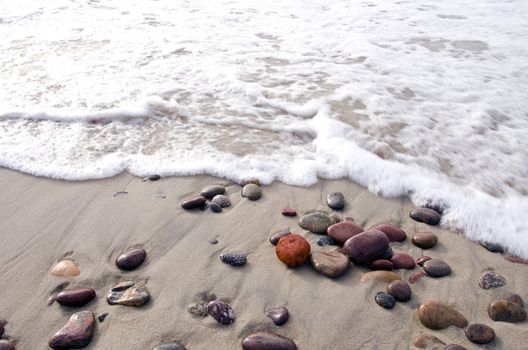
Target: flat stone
267, 341
492, 247
394, 234
131, 259
221, 312
479, 333
293, 250
274, 238
233, 258
75, 296
425, 215
366, 247
403, 261
385, 300
215, 208
335, 200
435, 315
514, 298
251, 192
210, 191
316, 222
221, 200
425, 340
289, 212
416, 276
6, 344
193, 203
381, 264
278, 315
65, 268
330, 263
344, 230
400, 290
76, 334
169, 346
491, 279
198, 309
506, 311
380, 276
437, 268
425, 240
454, 347
421, 260
128, 293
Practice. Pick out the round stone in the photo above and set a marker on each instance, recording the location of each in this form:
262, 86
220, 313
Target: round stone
491, 279
75, 296
316, 222
215, 208
65, 268
366, 247
403, 261
394, 234
233, 258
336, 200
424, 341
274, 238
251, 192
343, 230
492, 247
506, 311
400, 290
193, 203
128, 293
480, 333
76, 334
385, 300
289, 212
437, 268
221, 312
131, 259
330, 263
198, 309
425, 240
326, 240
421, 260
293, 250
381, 264
211, 191
425, 215
267, 341
435, 315
221, 200
169, 346
278, 315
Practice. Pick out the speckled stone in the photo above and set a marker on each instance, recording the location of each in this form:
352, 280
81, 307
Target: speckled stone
65, 268
435, 315
506, 311
425, 215
316, 222
335, 200
491, 279
193, 203
400, 290
252, 192
403, 261
221, 200
221, 312
169, 346
278, 315
274, 238
479, 333
128, 293
131, 259
366, 247
198, 309
75, 296
437, 268
385, 300
233, 258
267, 341
76, 334
211, 191
425, 340
394, 234
326, 240
425, 240
330, 263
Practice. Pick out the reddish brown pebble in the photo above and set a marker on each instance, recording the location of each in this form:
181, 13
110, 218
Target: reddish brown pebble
435, 315
394, 234
289, 212
381, 264
416, 276
400, 290
403, 261
480, 333
425, 215
131, 259
344, 230
426, 340
425, 240
366, 247
506, 311
420, 261
293, 250
250, 181
267, 341
76, 334
75, 296
193, 203
516, 259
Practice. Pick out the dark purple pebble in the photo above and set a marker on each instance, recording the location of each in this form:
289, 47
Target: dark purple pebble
267, 341
492, 247
193, 203
289, 212
221, 312
381, 264
366, 246
131, 259
75, 297
425, 215
394, 234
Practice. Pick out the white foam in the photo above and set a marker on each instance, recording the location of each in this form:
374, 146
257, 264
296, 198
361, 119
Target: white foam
418, 98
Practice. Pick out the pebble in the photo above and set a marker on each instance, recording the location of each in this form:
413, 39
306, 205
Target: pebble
152, 178
221, 312
514, 298
425, 240
233, 258
289, 212
221, 200
193, 203
214, 241
491, 279
65, 268
278, 315
131, 259
250, 181
198, 309
403, 261
416, 276
400, 290
425, 340
435, 315
492, 247
293, 250
6, 345
76, 334
251, 192
75, 296
336, 200
102, 317
316, 222
169, 346
210, 191
381, 264
454, 347
479, 333
330, 263
344, 230
381, 276
425, 215
516, 260
366, 247
267, 341
394, 234
274, 239
388, 254
215, 208
385, 300
506, 311
437, 268
326, 240
421, 260
128, 293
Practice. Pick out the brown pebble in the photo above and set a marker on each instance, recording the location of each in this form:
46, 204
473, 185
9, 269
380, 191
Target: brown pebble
394, 234
425, 215
193, 203
480, 333
289, 212
403, 261
514, 298
425, 340
506, 311
400, 290
76, 334
425, 240
435, 315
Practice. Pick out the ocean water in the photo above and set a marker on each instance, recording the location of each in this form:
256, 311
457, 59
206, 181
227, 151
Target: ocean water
427, 99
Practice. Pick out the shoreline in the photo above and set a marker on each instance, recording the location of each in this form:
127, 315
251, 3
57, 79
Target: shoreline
92, 222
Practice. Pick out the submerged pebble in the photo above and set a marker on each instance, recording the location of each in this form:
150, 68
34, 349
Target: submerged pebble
169, 346
425, 340
215, 208
198, 309
233, 258
415, 277
492, 247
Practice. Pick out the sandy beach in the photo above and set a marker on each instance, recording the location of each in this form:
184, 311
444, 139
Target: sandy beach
92, 222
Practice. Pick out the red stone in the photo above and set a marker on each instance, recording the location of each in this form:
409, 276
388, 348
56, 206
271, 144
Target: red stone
289, 212
381, 264
343, 230
293, 250
76, 334
403, 261
394, 234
